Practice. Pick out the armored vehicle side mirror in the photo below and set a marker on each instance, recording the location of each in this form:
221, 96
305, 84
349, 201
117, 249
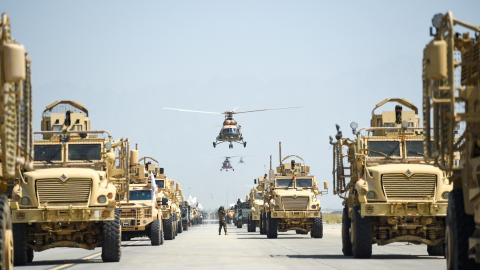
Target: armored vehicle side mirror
164, 201
108, 146
325, 185
354, 127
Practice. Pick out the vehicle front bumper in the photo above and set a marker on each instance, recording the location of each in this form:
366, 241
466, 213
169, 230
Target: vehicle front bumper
407, 209
63, 214
295, 214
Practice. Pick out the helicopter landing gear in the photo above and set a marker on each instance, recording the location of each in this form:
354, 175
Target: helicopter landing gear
214, 144
244, 144
230, 145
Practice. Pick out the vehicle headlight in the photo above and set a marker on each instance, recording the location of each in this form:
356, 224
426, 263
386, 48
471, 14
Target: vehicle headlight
25, 201
371, 195
445, 195
102, 199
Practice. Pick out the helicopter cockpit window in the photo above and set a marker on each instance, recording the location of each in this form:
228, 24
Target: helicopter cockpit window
284, 183
84, 151
414, 148
160, 183
140, 195
384, 149
50, 152
304, 182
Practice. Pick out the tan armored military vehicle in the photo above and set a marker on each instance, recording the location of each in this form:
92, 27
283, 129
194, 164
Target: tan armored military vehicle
451, 94
290, 199
255, 199
15, 129
140, 214
69, 200
179, 201
390, 194
167, 201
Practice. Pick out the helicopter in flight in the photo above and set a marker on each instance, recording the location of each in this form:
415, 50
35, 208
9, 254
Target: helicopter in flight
227, 165
231, 131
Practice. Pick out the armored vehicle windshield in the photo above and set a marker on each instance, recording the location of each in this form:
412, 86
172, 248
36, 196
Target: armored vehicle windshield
48, 152
383, 148
160, 183
84, 151
304, 182
140, 195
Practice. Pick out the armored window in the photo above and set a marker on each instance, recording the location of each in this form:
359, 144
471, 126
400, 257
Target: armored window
383, 148
140, 195
414, 148
84, 151
258, 196
50, 152
304, 182
160, 183
284, 183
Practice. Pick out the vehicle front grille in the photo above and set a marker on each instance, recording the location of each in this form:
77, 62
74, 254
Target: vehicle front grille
418, 186
295, 203
131, 213
73, 190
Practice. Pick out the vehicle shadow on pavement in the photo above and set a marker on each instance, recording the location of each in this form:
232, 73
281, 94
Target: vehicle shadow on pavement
61, 262
276, 239
374, 257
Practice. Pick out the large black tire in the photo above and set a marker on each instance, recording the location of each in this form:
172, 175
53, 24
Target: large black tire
30, 255
126, 236
168, 229
437, 250
6, 235
112, 239
20, 244
317, 228
263, 224
156, 234
180, 227
346, 241
460, 227
361, 235
272, 227
239, 224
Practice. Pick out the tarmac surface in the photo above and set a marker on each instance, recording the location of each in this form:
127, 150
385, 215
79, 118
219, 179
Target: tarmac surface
202, 248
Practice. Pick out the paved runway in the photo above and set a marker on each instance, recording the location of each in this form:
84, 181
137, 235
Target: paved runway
202, 248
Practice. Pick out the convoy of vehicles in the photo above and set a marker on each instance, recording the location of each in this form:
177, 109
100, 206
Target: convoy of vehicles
390, 194
451, 105
399, 182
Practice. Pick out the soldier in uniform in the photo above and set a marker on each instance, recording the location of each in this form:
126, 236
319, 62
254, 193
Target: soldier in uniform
221, 220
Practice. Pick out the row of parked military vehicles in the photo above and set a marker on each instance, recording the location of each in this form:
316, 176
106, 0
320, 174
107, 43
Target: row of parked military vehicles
70, 186
398, 181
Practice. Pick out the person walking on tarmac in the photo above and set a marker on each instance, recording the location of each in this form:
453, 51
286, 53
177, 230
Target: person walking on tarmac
221, 221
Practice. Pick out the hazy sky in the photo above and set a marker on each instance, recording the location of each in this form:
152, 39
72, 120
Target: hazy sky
125, 60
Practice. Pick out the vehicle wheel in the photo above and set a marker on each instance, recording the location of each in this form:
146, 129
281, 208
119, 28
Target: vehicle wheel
437, 250
263, 225
112, 239
6, 235
317, 228
346, 242
156, 233
168, 229
459, 228
30, 255
180, 227
239, 224
361, 235
272, 227
20, 244
126, 236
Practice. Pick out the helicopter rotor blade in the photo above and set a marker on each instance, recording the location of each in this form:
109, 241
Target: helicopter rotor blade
270, 109
186, 110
